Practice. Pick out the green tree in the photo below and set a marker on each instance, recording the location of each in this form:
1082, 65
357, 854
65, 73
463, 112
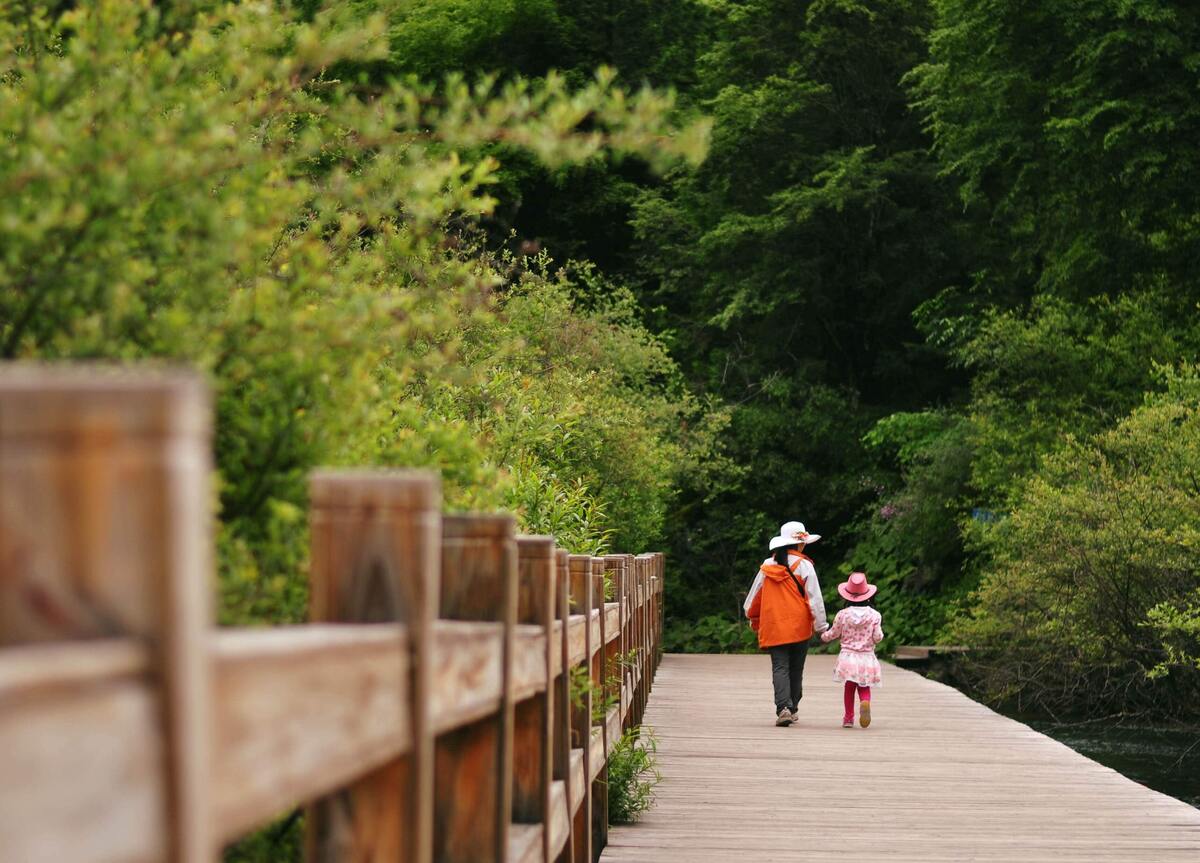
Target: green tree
787, 268
1071, 127
193, 183
1088, 602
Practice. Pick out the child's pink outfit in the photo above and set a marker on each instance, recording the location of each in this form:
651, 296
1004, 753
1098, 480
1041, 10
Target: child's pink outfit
860, 628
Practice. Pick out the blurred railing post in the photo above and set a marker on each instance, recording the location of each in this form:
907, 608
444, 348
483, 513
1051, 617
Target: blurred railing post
472, 783
533, 724
376, 539
447, 734
105, 531
661, 572
563, 712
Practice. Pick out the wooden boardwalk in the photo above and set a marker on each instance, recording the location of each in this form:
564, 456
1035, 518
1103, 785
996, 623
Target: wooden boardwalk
937, 777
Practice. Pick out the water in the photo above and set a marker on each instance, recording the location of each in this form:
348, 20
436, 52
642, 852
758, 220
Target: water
1165, 759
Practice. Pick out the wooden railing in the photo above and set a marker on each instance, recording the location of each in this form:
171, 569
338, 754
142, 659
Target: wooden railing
425, 714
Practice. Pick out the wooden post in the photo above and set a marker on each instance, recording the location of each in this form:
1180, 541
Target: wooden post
562, 692
661, 572
612, 566
473, 772
376, 538
533, 724
632, 644
106, 530
600, 664
643, 590
655, 642
647, 664
635, 568
581, 719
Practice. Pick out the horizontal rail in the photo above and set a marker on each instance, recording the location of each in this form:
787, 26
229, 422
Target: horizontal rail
301, 710
430, 698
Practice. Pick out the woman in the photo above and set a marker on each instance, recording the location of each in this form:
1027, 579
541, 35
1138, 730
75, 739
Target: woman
785, 609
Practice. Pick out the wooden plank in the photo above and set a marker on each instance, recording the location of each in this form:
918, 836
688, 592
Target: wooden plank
612, 623
990, 788
531, 646
473, 773
376, 537
533, 728
77, 721
578, 779
612, 727
559, 821
577, 636
105, 530
300, 711
526, 843
303, 711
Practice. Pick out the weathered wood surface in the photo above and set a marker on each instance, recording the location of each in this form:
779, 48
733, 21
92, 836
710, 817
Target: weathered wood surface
424, 715
374, 536
104, 531
937, 777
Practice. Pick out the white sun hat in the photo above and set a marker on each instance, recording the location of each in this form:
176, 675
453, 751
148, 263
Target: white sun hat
793, 533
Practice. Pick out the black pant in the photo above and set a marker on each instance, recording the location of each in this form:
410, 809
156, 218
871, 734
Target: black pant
787, 673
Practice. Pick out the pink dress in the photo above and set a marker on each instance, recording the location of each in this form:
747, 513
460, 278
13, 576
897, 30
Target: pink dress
860, 629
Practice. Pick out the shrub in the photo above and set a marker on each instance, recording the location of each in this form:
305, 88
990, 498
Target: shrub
217, 185
632, 775
712, 633
1088, 601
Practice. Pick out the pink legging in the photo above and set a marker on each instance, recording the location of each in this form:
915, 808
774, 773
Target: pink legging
864, 694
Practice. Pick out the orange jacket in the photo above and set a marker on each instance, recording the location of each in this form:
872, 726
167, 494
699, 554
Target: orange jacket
778, 612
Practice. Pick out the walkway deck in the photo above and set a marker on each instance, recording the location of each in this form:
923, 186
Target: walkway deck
936, 777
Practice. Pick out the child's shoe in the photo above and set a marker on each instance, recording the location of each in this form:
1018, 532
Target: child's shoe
784, 718
848, 722
864, 714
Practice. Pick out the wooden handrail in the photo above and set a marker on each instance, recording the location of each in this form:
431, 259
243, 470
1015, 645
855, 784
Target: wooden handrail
424, 715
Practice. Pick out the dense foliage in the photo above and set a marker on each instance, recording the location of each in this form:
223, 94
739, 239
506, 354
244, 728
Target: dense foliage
939, 250
1092, 586
931, 292
193, 182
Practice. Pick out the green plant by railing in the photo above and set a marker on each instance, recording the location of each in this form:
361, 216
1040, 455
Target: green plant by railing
608, 696
632, 775
603, 698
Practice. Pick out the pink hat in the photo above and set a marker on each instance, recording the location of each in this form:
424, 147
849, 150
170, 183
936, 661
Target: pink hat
856, 589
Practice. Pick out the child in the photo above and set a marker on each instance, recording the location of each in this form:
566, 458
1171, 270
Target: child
860, 628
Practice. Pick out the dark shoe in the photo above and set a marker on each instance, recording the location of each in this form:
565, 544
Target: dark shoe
784, 718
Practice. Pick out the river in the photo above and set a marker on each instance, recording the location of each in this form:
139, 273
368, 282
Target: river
1165, 759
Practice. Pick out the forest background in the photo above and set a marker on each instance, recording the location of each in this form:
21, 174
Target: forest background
920, 273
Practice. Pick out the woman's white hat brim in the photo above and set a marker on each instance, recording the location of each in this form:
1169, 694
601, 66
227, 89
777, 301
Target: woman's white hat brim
797, 533
781, 541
